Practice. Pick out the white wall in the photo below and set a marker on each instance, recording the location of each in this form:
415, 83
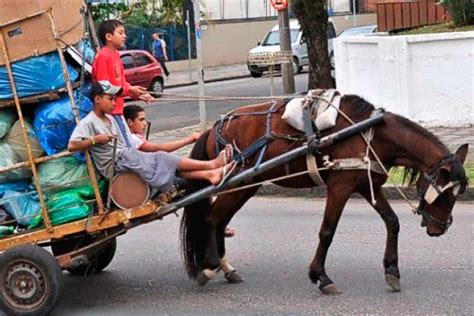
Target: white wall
426, 78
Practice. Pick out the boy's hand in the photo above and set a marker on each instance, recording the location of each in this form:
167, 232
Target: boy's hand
147, 98
136, 91
104, 138
195, 136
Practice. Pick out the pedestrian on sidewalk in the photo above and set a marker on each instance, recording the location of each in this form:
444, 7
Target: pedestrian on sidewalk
159, 52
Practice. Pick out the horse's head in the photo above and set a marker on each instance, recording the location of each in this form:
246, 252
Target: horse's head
438, 190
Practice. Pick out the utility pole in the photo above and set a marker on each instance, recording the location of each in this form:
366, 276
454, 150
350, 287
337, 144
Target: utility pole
200, 67
285, 46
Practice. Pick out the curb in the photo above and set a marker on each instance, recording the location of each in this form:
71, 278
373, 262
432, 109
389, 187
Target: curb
194, 82
320, 192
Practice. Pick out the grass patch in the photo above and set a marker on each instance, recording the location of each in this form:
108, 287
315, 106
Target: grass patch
396, 174
436, 28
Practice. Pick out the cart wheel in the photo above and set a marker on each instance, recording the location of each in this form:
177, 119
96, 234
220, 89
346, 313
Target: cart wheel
30, 281
97, 262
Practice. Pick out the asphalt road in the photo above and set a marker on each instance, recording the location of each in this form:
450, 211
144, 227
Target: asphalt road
171, 115
275, 240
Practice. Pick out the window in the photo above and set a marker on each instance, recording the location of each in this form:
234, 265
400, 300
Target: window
142, 60
273, 38
127, 61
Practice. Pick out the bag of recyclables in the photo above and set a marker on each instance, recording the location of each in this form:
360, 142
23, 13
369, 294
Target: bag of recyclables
34, 76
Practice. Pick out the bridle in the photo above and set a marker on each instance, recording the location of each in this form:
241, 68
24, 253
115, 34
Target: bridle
432, 191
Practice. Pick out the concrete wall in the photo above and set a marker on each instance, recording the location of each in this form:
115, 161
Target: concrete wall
426, 78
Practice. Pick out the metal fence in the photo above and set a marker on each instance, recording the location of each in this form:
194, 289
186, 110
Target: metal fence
176, 38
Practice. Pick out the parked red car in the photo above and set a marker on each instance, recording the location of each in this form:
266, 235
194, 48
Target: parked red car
142, 69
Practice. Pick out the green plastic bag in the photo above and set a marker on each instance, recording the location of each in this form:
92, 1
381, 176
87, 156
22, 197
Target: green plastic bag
6, 230
63, 174
7, 158
7, 117
68, 206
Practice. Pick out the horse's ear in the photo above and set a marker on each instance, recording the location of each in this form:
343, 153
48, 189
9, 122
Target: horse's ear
462, 152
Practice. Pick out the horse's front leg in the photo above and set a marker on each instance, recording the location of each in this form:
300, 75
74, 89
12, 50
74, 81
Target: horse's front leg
336, 200
390, 261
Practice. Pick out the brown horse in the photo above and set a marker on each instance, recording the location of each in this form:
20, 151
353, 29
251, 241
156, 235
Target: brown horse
397, 142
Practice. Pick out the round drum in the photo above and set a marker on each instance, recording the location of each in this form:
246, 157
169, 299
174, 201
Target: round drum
129, 190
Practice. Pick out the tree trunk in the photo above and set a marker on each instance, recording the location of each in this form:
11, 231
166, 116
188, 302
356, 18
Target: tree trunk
313, 18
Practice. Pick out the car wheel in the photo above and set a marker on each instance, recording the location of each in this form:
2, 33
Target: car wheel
296, 66
157, 87
256, 74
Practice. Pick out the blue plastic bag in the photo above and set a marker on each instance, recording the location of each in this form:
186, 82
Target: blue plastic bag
14, 186
36, 75
23, 207
54, 122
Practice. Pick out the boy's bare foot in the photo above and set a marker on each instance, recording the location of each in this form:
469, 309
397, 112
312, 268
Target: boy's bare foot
216, 175
229, 232
224, 157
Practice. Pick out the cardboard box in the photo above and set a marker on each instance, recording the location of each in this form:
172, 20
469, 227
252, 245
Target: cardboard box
28, 37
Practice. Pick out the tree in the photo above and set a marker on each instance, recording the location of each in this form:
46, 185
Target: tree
313, 18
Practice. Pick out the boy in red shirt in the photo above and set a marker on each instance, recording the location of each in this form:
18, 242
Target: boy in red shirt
108, 67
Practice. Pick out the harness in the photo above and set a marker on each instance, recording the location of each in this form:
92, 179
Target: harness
431, 191
261, 144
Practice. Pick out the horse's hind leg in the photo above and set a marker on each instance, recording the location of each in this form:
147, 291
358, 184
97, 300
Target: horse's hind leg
390, 261
223, 209
336, 200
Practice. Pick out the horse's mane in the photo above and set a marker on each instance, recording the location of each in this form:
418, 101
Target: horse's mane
360, 108
410, 175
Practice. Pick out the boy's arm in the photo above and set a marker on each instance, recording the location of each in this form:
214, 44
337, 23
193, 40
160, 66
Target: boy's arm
86, 143
170, 146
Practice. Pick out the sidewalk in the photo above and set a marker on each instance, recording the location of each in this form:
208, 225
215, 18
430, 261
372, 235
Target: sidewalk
452, 137
213, 74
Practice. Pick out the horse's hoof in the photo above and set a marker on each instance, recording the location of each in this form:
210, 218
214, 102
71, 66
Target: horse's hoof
233, 277
330, 289
393, 282
202, 279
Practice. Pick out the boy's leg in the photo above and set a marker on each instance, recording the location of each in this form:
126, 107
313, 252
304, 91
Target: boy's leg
187, 164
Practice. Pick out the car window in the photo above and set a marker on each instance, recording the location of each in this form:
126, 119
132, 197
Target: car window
127, 61
141, 60
273, 38
331, 32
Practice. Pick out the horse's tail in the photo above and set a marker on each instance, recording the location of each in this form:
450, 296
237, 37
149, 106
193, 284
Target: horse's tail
194, 229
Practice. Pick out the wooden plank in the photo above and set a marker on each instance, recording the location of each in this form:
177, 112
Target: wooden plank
397, 12
440, 14
381, 18
431, 13
389, 17
415, 14
423, 13
406, 16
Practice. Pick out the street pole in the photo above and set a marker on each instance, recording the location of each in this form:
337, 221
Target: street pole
285, 45
190, 68
354, 12
200, 67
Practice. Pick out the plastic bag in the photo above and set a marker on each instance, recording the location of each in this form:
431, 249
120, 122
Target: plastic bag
7, 158
7, 118
54, 122
17, 142
22, 206
6, 230
70, 205
62, 173
14, 186
35, 75
64, 207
